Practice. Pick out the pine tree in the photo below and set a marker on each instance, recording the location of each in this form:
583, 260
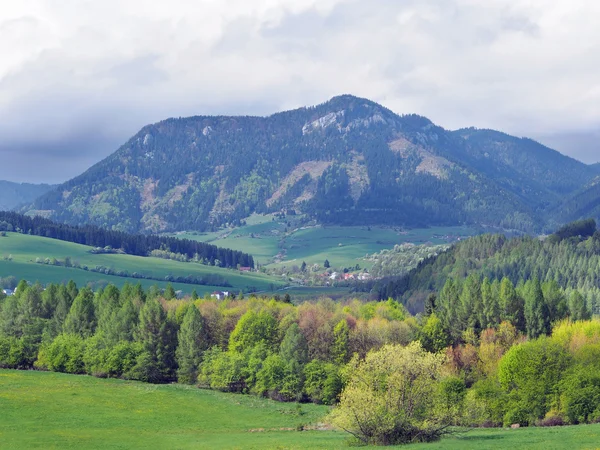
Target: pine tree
578, 308
490, 308
511, 305
191, 344
152, 332
81, 319
537, 321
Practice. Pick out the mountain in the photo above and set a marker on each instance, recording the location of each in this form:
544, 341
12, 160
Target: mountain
583, 203
16, 194
346, 161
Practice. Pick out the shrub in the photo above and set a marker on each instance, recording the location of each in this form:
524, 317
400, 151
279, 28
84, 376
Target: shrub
392, 397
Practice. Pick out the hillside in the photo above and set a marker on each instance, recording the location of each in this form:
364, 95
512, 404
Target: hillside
348, 161
571, 262
16, 194
36, 258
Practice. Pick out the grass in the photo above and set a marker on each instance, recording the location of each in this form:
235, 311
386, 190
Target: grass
267, 240
51, 410
25, 249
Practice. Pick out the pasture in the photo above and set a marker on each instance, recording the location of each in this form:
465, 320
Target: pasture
20, 251
278, 242
52, 410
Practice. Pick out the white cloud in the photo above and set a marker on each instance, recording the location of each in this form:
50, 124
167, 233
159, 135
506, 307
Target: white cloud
525, 67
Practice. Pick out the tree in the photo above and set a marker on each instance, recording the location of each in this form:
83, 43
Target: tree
448, 310
470, 303
392, 397
170, 292
511, 305
537, 320
529, 373
577, 307
81, 319
252, 329
155, 363
432, 336
430, 304
340, 351
303, 266
191, 344
491, 307
326, 264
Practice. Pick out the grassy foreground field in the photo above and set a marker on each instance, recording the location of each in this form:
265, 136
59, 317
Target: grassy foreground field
50, 410
24, 250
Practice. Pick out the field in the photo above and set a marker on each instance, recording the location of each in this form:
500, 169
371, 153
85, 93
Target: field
50, 410
24, 249
277, 242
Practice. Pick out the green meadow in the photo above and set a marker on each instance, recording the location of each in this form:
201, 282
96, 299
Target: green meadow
56, 411
273, 243
23, 250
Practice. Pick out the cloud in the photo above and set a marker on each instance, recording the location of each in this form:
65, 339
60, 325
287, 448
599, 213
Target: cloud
79, 78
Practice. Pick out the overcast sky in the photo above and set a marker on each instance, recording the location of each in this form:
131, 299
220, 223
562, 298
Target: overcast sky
79, 77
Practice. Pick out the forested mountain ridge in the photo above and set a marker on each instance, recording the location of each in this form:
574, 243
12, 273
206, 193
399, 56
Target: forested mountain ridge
16, 194
346, 161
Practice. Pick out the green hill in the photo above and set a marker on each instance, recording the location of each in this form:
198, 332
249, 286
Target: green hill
23, 256
348, 161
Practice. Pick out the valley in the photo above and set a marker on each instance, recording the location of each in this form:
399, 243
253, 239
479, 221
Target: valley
275, 242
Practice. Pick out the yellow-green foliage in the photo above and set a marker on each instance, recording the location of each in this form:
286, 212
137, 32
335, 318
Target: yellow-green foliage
391, 396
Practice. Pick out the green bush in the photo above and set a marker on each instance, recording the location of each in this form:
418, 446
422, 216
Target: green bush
580, 397
63, 354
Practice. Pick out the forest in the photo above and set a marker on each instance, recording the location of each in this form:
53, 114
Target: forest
570, 257
481, 354
132, 244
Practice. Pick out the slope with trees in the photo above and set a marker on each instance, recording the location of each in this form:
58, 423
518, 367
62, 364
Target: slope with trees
348, 161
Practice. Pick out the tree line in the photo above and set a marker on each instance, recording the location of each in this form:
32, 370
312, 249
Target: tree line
482, 354
132, 244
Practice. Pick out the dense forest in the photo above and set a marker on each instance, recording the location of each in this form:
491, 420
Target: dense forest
570, 258
347, 161
13, 195
528, 355
132, 244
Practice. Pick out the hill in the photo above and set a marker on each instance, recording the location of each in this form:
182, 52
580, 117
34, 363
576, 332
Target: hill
17, 194
568, 258
36, 258
348, 161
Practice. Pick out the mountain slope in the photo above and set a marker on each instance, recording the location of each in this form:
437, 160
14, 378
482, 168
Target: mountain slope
15, 194
347, 161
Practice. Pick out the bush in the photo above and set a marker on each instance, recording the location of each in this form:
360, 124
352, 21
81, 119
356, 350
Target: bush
530, 374
63, 354
580, 397
223, 371
392, 397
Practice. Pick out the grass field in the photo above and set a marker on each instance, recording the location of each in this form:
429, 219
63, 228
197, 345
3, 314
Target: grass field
50, 410
24, 250
270, 244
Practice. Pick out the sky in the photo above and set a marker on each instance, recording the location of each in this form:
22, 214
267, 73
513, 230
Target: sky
79, 77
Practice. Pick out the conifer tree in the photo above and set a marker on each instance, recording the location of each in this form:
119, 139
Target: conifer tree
537, 321
81, 319
191, 344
